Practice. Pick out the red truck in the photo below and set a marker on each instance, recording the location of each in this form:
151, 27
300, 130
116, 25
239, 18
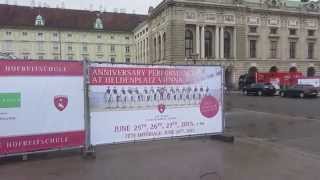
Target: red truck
279, 79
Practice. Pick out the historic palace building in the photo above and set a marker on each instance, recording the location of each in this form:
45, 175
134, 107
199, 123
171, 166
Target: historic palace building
244, 36
55, 34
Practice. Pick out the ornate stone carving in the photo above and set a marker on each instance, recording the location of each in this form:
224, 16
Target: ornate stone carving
312, 6
237, 1
273, 3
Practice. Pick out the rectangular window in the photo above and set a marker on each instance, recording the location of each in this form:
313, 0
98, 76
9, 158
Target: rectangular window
273, 49
70, 57
292, 32
112, 48
85, 57
8, 45
69, 35
55, 35
24, 33
127, 60
55, 46
99, 37
70, 48
273, 30
310, 50
40, 57
84, 47
253, 48
40, 36
40, 46
292, 49
112, 37
127, 38
25, 57
99, 48
112, 60
253, 29
8, 33
311, 32
56, 57
100, 57
127, 49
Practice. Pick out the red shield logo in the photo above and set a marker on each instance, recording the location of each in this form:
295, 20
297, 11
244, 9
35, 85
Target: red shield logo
61, 102
161, 108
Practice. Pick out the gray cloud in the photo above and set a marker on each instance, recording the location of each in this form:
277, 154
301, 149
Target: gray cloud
139, 6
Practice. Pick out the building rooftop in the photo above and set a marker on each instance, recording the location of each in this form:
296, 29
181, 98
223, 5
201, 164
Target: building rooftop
23, 16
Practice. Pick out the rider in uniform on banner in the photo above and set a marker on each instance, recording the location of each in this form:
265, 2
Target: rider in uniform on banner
131, 98
123, 98
146, 97
107, 96
138, 98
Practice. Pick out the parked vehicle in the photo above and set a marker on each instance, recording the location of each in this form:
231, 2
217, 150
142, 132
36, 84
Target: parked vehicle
301, 91
7, 56
314, 81
246, 80
260, 89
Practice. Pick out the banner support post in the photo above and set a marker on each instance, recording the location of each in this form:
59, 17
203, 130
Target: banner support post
88, 151
223, 137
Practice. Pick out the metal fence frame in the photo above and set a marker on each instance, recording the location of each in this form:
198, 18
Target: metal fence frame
172, 137
25, 154
87, 147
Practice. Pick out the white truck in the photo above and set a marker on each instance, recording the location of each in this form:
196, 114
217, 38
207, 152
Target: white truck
315, 81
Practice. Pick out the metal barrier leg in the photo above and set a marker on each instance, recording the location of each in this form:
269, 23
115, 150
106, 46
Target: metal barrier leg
25, 157
223, 138
89, 153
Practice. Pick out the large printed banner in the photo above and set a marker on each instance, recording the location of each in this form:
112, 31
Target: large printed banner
130, 103
41, 105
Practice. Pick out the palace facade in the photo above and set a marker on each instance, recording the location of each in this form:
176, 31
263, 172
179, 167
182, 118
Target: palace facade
245, 36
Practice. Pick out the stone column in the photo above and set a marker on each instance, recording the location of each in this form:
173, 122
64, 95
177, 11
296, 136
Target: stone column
155, 49
145, 50
222, 42
216, 38
202, 42
234, 43
198, 39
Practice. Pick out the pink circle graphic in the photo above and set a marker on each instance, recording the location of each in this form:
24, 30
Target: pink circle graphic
209, 107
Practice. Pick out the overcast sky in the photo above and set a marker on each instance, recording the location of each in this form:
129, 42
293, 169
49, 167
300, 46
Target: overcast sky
139, 6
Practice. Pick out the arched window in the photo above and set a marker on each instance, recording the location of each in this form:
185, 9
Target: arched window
227, 44
293, 70
155, 48
208, 44
159, 46
273, 69
311, 72
189, 43
164, 45
228, 77
252, 74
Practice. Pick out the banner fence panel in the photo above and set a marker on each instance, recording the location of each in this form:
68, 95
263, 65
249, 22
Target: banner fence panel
143, 102
41, 106
60, 105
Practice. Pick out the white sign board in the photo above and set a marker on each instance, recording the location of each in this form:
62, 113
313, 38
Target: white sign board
130, 103
41, 105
